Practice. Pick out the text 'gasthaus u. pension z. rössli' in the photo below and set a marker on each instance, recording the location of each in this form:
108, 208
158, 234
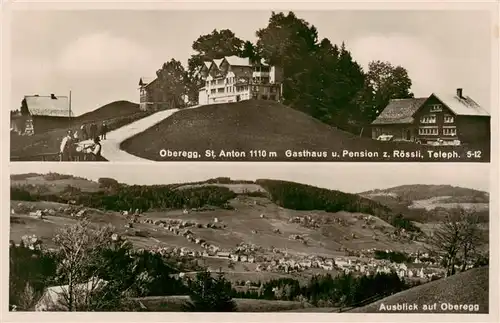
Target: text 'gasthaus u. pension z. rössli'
313, 154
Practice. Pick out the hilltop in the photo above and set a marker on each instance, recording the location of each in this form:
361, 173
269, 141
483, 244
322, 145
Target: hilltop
255, 125
109, 111
116, 115
467, 288
423, 192
429, 203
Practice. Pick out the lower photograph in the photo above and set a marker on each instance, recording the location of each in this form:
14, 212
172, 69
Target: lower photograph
243, 237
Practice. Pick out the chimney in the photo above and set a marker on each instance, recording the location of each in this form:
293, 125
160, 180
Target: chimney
52, 96
459, 93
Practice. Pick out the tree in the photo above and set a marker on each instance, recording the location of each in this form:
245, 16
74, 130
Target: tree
217, 44
80, 264
105, 182
172, 80
456, 240
209, 294
385, 82
286, 39
472, 237
251, 51
30, 271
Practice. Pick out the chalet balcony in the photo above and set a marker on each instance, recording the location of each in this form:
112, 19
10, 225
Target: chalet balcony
260, 74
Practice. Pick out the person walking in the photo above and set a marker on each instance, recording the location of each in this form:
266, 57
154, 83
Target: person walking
104, 130
93, 130
66, 146
83, 130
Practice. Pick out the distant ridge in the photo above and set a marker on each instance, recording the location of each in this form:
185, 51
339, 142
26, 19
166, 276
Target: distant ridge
111, 110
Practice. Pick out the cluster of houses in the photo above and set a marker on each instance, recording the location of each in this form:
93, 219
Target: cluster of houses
180, 228
31, 210
226, 79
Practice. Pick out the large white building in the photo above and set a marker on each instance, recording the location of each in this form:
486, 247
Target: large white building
233, 79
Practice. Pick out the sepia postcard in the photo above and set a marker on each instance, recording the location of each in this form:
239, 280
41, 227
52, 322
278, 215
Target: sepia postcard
250, 162
251, 85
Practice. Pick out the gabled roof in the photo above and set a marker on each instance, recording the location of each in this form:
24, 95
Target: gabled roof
144, 81
399, 111
218, 61
461, 106
238, 61
207, 64
48, 106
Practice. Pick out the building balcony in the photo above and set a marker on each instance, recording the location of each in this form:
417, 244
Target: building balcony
260, 74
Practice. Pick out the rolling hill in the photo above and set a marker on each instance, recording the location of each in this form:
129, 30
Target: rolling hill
263, 212
116, 114
431, 203
109, 111
261, 126
468, 288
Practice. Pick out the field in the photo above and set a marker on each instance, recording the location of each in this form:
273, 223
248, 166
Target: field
421, 203
440, 202
327, 241
257, 125
56, 185
116, 114
174, 304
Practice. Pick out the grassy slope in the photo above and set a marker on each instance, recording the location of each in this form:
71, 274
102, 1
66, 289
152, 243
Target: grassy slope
412, 200
116, 114
246, 126
422, 192
470, 287
174, 304
110, 111
246, 214
55, 184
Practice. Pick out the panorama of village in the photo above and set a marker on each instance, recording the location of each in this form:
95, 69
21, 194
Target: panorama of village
253, 244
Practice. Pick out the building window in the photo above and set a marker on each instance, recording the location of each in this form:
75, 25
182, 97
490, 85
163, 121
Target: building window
448, 119
436, 108
449, 131
221, 90
212, 91
272, 97
428, 119
432, 131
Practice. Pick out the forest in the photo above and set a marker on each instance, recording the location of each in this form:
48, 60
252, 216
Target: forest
118, 197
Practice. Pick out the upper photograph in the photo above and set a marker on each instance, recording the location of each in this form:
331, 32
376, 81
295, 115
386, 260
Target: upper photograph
143, 86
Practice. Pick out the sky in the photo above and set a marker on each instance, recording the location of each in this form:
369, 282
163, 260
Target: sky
100, 55
347, 177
